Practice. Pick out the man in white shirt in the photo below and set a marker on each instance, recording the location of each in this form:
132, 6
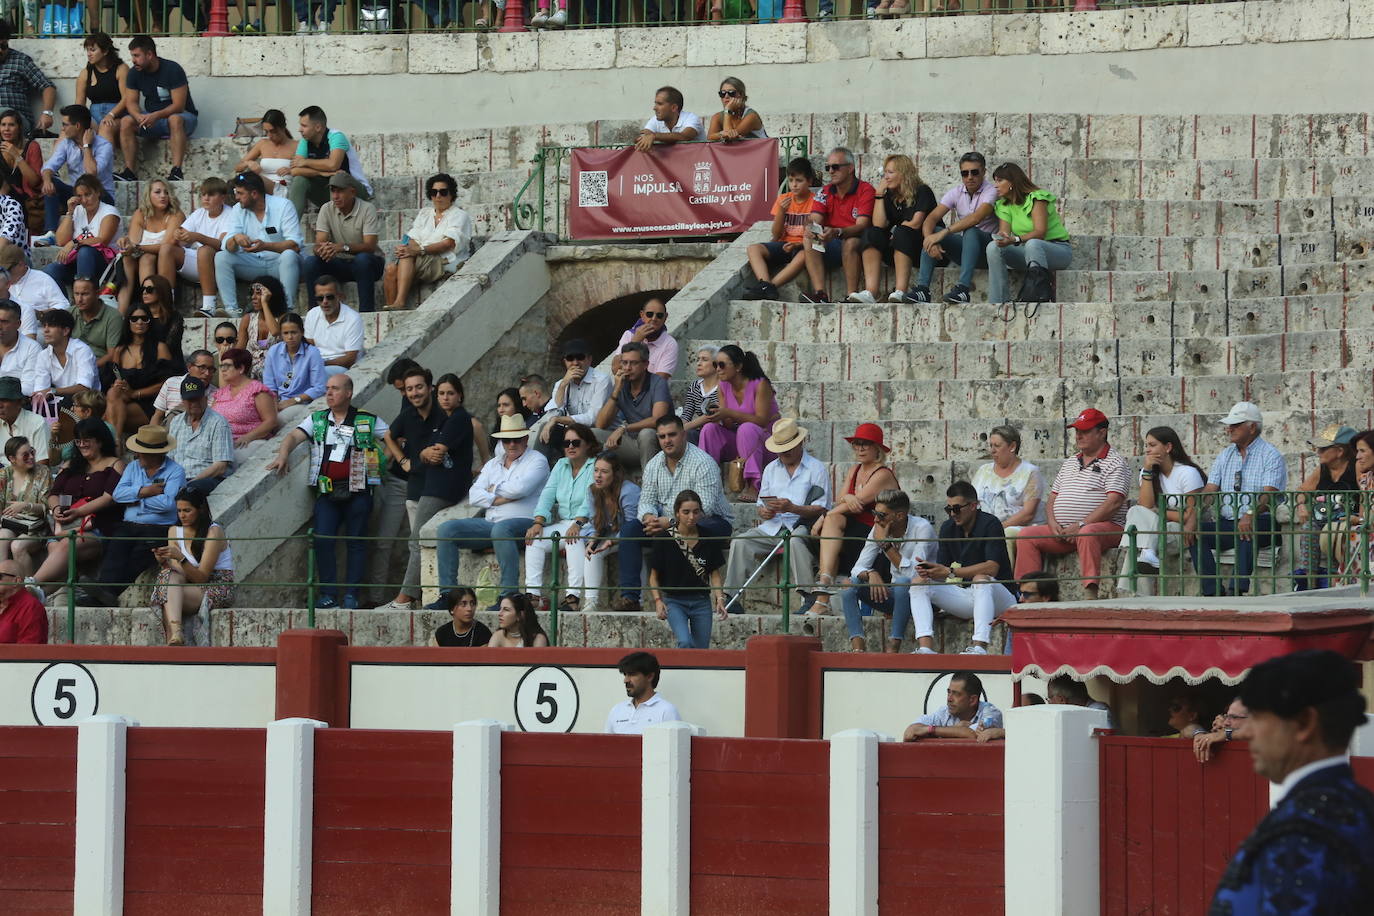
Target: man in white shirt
577, 397
334, 327
34, 290
201, 236
644, 706
18, 352
16, 421
66, 366
263, 236
794, 492
670, 124
508, 488
897, 544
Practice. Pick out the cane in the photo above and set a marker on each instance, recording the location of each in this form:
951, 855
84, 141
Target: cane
812, 495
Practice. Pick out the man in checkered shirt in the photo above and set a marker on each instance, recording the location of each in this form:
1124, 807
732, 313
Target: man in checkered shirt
1249, 468
19, 79
1086, 512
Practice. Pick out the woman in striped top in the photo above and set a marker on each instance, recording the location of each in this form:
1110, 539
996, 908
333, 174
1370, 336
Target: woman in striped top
702, 394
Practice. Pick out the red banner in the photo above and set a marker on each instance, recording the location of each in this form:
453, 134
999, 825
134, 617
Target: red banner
684, 189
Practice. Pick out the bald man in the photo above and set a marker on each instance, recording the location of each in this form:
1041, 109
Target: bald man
23, 618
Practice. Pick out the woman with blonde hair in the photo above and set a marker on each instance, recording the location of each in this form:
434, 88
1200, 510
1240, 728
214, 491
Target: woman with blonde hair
902, 202
150, 247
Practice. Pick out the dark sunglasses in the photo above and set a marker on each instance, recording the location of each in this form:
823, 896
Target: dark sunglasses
574, 357
835, 167
969, 173
225, 339
327, 297
955, 510
439, 191
880, 515
719, 365
655, 314
728, 93
571, 443
1025, 594
149, 289
133, 318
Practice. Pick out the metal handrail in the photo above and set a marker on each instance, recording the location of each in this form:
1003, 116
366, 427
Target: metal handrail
548, 164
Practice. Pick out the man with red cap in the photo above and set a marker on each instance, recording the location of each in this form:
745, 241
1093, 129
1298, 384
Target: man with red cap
1087, 506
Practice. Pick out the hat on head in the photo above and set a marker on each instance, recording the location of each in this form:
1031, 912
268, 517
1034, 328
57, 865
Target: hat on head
786, 435
576, 347
1335, 434
512, 427
342, 180
151, 440
869, 432
10, 389
192, 388
1088, 419
1243, 412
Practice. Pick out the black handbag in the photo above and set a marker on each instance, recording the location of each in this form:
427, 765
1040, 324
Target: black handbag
1038, 284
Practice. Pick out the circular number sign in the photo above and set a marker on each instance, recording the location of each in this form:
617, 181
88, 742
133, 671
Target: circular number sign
546, 700
64, 693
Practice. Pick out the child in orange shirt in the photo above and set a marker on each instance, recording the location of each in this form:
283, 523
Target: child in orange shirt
791, 214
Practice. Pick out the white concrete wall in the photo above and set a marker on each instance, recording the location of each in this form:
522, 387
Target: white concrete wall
1295, 55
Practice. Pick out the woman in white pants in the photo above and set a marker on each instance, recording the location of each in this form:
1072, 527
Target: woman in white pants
964, 579
612, 501
566, 493
1167, 471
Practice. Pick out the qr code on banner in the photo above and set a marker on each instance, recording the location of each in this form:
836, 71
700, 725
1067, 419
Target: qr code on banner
591, 190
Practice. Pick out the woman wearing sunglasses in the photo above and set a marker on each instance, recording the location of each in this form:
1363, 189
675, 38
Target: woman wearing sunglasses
438, 242
155, 294
742, 420
566, 494
736, 120
138, 366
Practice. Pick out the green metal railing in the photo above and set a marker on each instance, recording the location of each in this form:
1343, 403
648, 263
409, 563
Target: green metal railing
540, 202
278, 17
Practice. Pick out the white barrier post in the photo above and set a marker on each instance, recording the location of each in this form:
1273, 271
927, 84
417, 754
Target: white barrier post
101, 760
288, 816
475, 840
1052, 793
1362, 742
854, 821
666, 819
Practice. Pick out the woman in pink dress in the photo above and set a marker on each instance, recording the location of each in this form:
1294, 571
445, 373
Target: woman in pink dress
746, 413
245, 402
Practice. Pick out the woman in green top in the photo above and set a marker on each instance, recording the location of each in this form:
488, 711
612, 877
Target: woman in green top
1030, 230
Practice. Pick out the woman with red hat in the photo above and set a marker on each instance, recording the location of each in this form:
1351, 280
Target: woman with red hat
852, 516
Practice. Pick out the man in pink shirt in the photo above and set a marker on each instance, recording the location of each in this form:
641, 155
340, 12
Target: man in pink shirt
651, 330
966, 240
839, 215
23, 619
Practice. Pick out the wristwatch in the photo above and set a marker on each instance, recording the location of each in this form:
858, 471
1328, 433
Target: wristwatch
346, 249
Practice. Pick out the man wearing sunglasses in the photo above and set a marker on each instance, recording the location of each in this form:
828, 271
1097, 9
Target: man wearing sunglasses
577, 396
1249, 468
334, 327
839, 215
263, 237
969, 576
651, 329
966, 240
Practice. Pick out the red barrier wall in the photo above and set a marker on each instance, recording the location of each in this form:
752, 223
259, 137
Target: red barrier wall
1170, 824
570, 824
37, 819
940, 843
760, 826
383, 812
193, 825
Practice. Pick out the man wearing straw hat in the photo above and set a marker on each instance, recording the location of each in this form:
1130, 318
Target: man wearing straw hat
793, 493
508, 488
148, 490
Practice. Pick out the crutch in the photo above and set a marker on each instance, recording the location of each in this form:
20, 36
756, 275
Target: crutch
812, 495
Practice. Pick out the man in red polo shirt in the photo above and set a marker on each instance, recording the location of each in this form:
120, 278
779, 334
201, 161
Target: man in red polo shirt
839, 215
1087, 507
23, 619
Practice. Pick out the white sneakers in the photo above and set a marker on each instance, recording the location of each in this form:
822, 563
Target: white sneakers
924, 650
544, 20
974, 650
863, 296
1147, 557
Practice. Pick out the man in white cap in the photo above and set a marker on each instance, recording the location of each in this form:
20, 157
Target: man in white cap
793, 493
508, 489
1244, 472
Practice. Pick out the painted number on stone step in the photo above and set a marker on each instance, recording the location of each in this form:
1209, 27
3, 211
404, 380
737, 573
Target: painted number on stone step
64, 693
546, 700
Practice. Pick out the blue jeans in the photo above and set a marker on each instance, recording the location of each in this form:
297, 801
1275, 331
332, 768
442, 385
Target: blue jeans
690, 618
479, 534
350, 514
232, 266
896, 604
967, 249
55, 204
88, 263
1220, 535
1053, 255
365, 269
